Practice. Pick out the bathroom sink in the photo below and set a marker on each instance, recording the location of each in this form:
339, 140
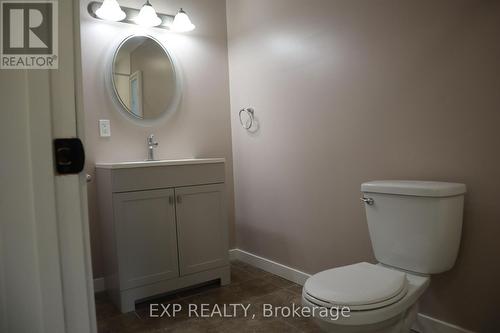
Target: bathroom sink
142, 164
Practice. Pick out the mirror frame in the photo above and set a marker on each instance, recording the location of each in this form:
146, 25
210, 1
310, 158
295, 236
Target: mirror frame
174, 104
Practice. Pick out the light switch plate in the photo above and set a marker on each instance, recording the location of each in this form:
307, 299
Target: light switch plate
104, 128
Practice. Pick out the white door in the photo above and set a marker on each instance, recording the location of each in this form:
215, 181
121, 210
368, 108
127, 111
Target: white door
146, 237
201, 228
45, 272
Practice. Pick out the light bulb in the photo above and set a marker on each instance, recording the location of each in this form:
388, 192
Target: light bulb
147, 16
110, 10
182, 23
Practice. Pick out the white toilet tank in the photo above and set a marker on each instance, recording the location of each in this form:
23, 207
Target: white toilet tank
415, 225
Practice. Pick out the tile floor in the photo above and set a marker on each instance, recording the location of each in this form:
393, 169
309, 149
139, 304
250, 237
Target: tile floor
249, 285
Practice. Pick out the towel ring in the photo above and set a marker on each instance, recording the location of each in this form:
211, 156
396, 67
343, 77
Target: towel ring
250, 114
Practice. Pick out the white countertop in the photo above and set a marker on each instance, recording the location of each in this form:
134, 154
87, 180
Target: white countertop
142, 164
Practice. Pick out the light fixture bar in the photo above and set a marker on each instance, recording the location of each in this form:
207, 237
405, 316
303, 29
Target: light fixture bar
131, 14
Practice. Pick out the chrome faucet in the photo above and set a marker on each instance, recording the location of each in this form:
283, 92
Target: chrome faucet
152, 144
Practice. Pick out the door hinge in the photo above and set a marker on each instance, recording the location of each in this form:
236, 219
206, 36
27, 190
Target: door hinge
69, 156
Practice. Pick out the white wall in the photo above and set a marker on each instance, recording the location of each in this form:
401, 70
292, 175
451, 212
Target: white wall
350, 91
201, 128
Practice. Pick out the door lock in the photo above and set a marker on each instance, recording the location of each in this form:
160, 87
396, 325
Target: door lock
69, 156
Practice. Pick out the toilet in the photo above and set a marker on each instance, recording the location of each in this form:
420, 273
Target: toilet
415, 229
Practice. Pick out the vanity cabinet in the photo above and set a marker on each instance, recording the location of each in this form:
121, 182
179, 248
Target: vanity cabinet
202, 242
164, 227
145, 237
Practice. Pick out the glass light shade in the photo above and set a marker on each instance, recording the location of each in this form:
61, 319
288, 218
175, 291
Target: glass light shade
147, 16
110, 10
182, 23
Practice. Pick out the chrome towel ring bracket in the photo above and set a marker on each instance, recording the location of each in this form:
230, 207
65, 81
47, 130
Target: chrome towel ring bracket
247, 118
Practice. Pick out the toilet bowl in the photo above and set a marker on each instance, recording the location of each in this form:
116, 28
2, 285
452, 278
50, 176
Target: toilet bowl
415, 229
379, 299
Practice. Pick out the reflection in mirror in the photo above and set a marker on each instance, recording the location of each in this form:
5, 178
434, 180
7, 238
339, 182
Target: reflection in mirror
144, 77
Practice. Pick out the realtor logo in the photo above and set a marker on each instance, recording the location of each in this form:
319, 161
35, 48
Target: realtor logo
29, 38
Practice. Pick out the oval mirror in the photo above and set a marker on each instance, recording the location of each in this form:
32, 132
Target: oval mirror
145, 79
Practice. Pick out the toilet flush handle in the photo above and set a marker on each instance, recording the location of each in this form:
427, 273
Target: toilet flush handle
368, 201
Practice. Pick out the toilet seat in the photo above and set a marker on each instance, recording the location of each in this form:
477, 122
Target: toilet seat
360, 287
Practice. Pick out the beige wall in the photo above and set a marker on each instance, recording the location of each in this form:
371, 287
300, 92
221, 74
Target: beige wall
350, 91
201, 128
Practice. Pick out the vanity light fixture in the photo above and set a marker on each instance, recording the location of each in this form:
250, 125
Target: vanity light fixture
110, 10
146, 16
182, 23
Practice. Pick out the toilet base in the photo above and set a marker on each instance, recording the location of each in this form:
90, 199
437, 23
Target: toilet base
399, 324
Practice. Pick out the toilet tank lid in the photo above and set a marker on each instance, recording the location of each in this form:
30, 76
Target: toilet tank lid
414, 188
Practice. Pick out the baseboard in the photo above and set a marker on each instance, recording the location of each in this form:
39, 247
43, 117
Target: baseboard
99, 285
270, 266
424, 324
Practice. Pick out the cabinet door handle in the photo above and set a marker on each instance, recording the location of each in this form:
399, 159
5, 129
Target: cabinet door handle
170, 200
179, 199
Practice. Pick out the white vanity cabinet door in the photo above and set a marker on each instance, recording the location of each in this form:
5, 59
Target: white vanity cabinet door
146, 237
201, 228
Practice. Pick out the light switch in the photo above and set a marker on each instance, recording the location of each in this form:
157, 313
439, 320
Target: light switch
104, 128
